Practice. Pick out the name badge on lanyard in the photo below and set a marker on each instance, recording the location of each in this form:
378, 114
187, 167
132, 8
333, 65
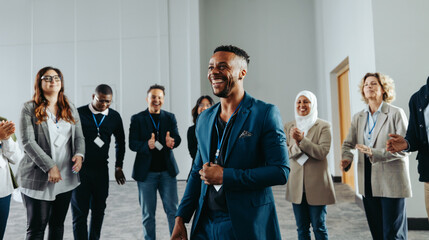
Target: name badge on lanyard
98, 140
158, 145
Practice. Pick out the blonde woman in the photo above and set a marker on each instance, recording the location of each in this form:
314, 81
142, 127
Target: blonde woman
309, 186
383, 177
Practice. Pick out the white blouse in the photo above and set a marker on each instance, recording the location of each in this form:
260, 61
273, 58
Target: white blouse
61, 147
9, 153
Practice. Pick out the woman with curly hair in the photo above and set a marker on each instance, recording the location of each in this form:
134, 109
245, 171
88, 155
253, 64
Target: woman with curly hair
54, 147
383, 177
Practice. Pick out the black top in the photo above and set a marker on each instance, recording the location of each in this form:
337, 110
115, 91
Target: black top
416, 132
95, 156
158, 163
216, 200
192, 145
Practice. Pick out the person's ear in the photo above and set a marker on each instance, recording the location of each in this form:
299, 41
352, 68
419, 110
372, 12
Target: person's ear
93, 95
242, 74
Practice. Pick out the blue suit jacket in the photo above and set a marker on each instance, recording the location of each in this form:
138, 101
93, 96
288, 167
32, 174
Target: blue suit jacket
416, 132
141, 130
256, 158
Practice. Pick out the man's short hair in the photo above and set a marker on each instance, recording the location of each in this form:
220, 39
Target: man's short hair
104, 89
236, 50
156, 86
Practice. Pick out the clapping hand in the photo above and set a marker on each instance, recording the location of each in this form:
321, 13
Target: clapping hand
296, 134
7, 128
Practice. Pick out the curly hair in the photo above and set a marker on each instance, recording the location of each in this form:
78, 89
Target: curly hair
386, 83
195, 109
42, 103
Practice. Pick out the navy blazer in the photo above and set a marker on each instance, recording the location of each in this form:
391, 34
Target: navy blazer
141, 130
416, 133
256, 159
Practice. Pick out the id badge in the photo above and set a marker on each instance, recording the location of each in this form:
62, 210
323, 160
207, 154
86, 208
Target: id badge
98, 141
59, 141
158, 146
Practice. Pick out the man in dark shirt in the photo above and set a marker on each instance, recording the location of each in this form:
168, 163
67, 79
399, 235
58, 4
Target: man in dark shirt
241, 153
153, 135
99, 123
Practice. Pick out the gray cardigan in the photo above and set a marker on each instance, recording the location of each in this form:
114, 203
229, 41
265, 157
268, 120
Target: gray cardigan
34, 167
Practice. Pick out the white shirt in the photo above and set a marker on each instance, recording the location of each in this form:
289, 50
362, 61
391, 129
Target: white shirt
105, 112
370, 125
60, 136
9, 153
426, 114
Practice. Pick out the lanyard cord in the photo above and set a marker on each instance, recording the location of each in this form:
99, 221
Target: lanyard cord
98, 124
372, 129
154, 125
219, 143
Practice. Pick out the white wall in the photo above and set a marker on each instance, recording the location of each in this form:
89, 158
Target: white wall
385, 36
278, 35
128, 44
344, 29
401, 51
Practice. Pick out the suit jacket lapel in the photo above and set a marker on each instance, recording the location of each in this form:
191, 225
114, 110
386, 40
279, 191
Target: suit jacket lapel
241, 117
211, 120
381, 119
361, 127
45, 130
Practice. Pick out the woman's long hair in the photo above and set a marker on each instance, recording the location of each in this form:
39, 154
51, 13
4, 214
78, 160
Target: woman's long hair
195, 109
64, 111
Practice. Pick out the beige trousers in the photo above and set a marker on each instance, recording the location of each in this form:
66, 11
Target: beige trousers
427, 197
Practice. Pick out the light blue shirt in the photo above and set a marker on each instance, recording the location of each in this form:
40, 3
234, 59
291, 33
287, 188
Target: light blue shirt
370, 125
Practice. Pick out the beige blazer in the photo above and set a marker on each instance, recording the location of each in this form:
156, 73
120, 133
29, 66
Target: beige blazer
389, 172
314, 175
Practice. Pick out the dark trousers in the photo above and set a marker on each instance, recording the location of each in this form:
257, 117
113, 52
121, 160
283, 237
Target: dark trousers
214, 225
90, 194
387, 218
4, 214
40, 213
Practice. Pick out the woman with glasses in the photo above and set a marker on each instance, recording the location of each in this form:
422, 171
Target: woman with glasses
309, 186
383, 177
204, 102
54, 148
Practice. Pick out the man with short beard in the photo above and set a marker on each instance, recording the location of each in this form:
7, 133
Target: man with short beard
153, 135
241, 153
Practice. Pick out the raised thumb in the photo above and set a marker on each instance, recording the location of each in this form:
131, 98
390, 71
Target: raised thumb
168, 133
153, 136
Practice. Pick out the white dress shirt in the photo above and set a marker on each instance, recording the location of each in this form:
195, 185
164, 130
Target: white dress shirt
9, 153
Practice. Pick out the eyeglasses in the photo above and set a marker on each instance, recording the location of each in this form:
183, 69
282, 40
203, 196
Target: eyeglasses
204, 105
108, 102
55, 78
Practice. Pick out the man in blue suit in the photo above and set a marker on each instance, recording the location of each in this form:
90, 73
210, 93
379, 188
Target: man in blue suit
417, 136
153, 135
241, 153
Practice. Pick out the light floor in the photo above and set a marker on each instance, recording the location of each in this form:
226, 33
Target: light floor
345, 219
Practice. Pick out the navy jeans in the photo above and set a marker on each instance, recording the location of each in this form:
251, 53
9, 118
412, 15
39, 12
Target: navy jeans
306, 214
4, 213
387, 217
167, 187
90, 194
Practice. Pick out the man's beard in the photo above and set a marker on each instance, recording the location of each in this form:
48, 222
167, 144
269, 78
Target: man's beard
226, 91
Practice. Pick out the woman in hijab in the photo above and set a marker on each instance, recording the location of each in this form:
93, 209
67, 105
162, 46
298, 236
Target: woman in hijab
309, 186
